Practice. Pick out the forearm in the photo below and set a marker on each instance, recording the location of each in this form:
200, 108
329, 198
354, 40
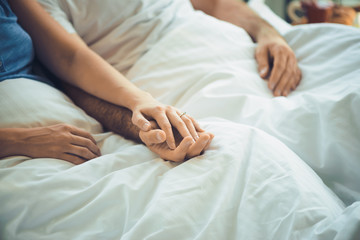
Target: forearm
70, 59
10, 143
112, 117
239, 14
91, 73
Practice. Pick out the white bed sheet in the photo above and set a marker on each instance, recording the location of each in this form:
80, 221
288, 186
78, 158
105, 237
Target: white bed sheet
211, 74
248, 185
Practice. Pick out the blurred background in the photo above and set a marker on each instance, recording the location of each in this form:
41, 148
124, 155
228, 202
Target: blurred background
280, 6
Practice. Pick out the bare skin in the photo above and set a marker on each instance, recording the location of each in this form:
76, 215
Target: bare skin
185, 147
276, 63
59, 141
118, 119
71, 60
276, 60
69, 143
74, 145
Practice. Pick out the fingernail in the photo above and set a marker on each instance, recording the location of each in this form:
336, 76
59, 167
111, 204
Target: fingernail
146, 126
263, 71
272, 86
159, 137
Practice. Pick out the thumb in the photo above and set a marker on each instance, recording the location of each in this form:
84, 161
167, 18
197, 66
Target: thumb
262, 59
152, 137
140, 121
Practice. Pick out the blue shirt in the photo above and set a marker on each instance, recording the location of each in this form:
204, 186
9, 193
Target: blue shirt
16, 48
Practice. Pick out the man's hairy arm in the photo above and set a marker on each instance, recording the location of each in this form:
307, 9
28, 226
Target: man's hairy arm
118, 119
112, 117
276, 61
237, 13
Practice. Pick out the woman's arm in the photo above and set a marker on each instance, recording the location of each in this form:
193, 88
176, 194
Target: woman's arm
118, 119
68, 57
276, 60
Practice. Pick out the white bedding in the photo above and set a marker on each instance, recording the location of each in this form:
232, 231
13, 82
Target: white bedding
216, 75
253, 183
239, 189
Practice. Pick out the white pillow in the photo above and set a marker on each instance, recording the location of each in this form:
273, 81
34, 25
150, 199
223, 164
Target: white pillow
28, 103
119, 31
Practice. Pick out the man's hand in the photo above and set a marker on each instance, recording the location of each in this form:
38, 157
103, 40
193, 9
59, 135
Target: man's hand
185, 147
59, 141
276, 60
119, 120
277, 63
167, 118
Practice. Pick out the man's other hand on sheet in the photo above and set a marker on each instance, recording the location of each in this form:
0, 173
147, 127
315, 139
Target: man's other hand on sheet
277, 64
276, 60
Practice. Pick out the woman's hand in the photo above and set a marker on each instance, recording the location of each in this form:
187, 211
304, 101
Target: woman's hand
59, 141
277, 63
185, 147
167, 118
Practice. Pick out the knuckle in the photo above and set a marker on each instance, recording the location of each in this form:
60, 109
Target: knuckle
159, 109
68, 128
168, 108
65, 126
88, 142
69, 136
84, 153
187, 120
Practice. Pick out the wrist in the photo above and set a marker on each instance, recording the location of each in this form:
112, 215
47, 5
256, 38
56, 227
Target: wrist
138, 99
266, 33
11, 142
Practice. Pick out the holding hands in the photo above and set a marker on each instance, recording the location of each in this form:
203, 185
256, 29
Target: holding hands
167, 118
186, 147
173, 135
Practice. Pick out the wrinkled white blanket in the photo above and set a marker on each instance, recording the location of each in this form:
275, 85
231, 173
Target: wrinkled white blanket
248, 185
253, 183
211, 74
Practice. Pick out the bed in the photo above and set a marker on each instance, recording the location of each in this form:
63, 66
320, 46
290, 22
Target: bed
278, 168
